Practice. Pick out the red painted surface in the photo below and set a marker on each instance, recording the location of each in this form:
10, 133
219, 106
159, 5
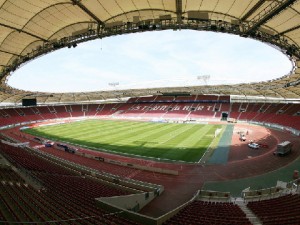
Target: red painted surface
242, 162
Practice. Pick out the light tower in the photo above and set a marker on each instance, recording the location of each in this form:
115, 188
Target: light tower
113, 84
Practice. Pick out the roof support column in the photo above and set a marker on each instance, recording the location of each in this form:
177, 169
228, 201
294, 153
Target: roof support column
179, 11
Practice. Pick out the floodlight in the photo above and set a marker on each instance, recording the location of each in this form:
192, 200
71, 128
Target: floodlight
205, 78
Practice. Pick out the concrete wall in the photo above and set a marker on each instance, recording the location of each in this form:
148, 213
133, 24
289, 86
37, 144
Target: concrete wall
134, 202
128, 214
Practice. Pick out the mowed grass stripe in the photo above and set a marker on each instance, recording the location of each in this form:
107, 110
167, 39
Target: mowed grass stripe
185, 142
86, 125
109, 132
167, 137
153, 146
148, 136
186, 152
63, 129
180, 135
98, 128
147, 127
207, 138
89, 133
190, 140
133, 132
153, 136
201, 143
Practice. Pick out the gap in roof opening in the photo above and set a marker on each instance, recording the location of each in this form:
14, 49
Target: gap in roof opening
153, 59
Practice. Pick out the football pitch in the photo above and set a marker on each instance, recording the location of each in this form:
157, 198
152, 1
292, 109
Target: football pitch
162, 141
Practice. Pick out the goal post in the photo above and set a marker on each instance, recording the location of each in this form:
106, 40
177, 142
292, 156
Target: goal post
217, 132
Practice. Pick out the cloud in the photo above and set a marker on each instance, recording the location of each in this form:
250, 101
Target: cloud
164, 57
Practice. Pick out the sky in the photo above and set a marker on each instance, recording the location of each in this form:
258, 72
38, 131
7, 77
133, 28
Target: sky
153, 59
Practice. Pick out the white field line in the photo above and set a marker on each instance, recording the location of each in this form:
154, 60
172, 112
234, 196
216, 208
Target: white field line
208, 148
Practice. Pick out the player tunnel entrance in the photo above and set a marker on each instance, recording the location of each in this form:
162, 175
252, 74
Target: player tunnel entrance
224, 116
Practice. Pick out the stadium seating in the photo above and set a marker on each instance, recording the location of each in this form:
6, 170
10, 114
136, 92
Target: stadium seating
209, 213
282, 210
91, 109
158, 110
135, 110
161, 98
168, 107
106, 109
92, 163
282, 114
65, 195
207, 97
186, 98
46, 113
224, 98
203, 110
32, 114
62, 112
178, 110
77, 111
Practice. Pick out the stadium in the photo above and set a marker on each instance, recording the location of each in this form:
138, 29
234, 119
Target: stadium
197, 154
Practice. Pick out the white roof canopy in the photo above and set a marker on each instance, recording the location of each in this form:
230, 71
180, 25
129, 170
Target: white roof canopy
30, 28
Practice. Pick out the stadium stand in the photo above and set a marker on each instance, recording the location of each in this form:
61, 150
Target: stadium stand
209, 213
63, 111
186, 98
59, 181
77, 111
92, 163
31, 29
178, 110
65, 193
46, 113
278, 211
161, 98
206, 98
91, 109
281, 114
32, 114
203, 110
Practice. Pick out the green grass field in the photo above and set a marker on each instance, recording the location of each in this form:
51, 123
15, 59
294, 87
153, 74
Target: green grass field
165, 141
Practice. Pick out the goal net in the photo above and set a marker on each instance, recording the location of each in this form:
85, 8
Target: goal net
217, 132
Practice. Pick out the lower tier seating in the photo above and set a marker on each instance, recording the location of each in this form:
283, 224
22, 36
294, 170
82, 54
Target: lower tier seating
65, 197
209, 213
278, 211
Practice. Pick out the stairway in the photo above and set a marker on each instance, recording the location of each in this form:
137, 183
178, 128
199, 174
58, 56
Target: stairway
249, 214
